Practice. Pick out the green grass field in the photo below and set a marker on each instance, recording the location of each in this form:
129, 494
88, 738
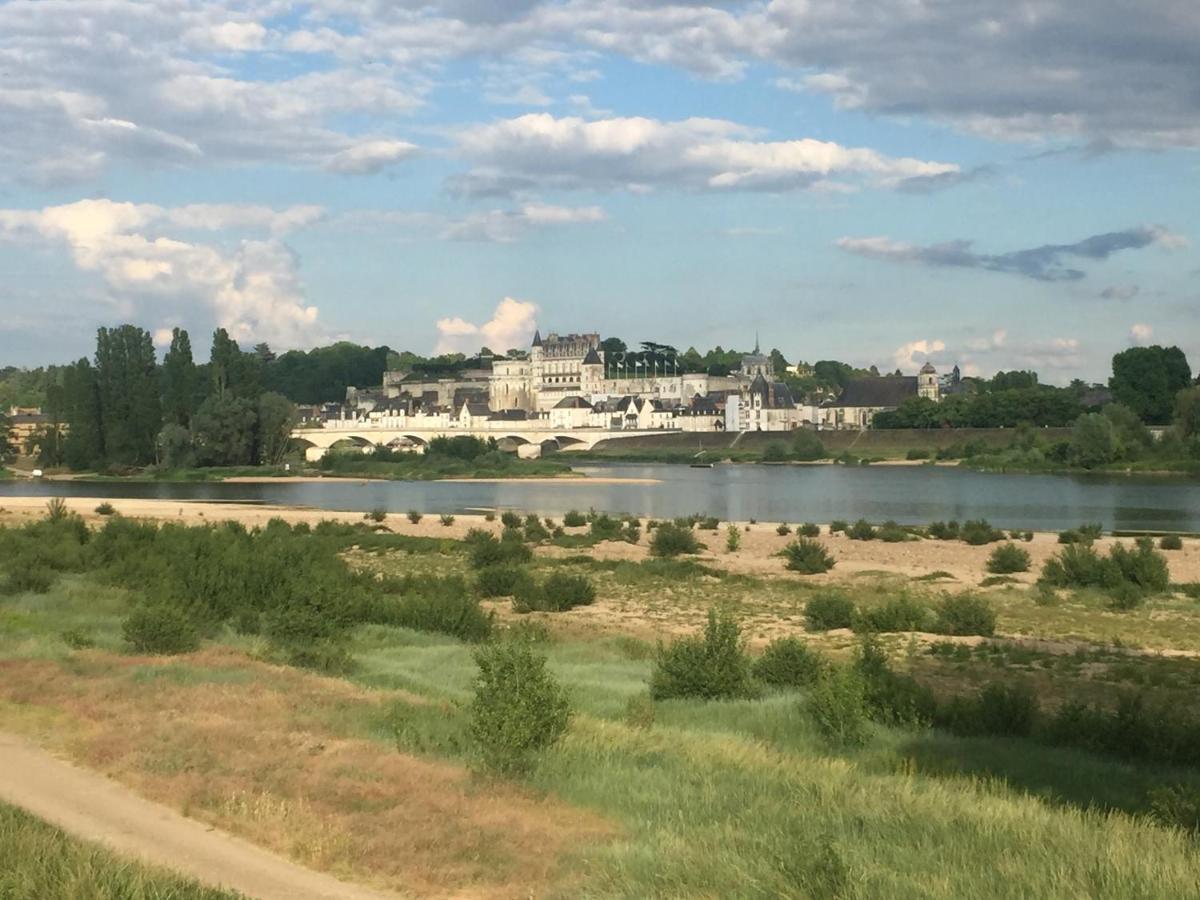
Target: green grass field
39, 862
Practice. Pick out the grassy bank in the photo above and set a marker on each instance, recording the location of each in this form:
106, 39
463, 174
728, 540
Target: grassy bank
40, 861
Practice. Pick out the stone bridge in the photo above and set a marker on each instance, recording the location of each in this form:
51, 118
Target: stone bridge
345, 434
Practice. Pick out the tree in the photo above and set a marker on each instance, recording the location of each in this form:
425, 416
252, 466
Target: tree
179, 380
1007, 381
6, 447
1093, 442
612, 346
130, 407
831, 373
1146, 379
779, 362
276, 419
1187, 419
174, 446
83, 447
223, 431
1132, 436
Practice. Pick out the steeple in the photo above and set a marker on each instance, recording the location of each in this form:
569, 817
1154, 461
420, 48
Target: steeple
537, 338
757, 352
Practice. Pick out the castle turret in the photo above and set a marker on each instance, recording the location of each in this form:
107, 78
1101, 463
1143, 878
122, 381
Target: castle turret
927, 383
591, 372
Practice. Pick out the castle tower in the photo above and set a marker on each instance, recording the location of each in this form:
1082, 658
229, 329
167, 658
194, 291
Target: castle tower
591, 373
927, 383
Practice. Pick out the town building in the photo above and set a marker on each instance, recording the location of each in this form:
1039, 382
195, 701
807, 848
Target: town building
864, 398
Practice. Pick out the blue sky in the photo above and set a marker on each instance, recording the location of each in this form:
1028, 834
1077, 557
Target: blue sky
998, 185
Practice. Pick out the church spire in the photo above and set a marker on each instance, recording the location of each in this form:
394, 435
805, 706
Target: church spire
757, 352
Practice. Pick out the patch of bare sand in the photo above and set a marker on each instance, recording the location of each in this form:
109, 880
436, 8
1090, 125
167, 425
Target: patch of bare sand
269, 754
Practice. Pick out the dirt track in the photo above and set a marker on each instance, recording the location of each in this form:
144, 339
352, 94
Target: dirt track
93, 807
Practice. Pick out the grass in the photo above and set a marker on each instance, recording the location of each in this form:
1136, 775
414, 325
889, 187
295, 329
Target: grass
38, 860
369, 775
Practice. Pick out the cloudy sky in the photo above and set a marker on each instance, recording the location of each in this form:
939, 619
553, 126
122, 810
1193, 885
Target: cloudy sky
999, 184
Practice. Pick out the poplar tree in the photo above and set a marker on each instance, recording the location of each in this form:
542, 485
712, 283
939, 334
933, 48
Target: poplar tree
179, 380
130, 407
83, 447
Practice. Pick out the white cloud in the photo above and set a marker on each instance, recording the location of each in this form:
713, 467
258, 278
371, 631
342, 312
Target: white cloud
915, 354
642, 153
504, 226
1140, 334
370, 156
512, 325
251, 288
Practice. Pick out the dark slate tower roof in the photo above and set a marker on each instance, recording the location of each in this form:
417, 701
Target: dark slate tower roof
537, 338
592, 358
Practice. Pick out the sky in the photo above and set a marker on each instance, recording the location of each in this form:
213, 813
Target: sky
991, 183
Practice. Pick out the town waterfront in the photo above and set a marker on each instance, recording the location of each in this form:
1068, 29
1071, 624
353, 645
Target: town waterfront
907, 494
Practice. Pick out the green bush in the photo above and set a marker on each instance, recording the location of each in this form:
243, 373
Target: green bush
414, 516
510, 519
1170, 542
837, 525
965, 614
978, 532
28, 579
605, 528
486, 550
733, 538
808, 557
891, 698
862, 530
809, 530
105, 509
632, 533
441, 606
838, 708
1001, 709
1176, 806
917, 453
783, 529
673, 540
1078, 565
574, 519
518, 709
891, 533
898, 614
160, 628
709, 667
788, 662
825, 612
446, 519
1008, 558
1092, 531
498, 580
558, 593
535, 532
1141, 565
378, 514
1070, 536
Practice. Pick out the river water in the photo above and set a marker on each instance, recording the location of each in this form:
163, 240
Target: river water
908, 494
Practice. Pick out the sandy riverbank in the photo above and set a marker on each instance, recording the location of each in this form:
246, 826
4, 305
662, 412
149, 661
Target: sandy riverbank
757, 555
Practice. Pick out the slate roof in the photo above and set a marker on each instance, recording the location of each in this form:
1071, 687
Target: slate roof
592, 358
511, 415
884, 391
572, 403
537, 338
478, 409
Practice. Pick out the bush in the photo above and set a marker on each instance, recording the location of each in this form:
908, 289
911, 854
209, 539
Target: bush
1141, 566
510, 519
1070, 536
105, 509
783, 529
378, 514
809, 530
978, 532
899, 614
558, 593
442, 606
709, 667
1170, 542
1176, 806
446, 519
1008, 558
808, 557
672, 540
862, 530
891, 533
806, 446
828, 611
605, 528
414, 516
709, 523
837, 525
1027, 537
160, 628
966, 614
733, 538
535, 531
518, 709
943, 531
789, 663
891, 698
917, 453
632, 532
498, 580
574, 519
56, 510
1091, 532
1001, 709
29, 578
485, 550
838, 708
1078, 565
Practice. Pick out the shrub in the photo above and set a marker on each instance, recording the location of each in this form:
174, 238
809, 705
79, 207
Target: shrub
632, 533
898, 614
806, 446
862, 530
808, 557
837, 525
943, 531
979, 531
891, 698
789, 663
56, 510
809, 530
1091, 532
1027, 537
29, 578
709, 523
1001, 709
518, 709
1141, 566
510, 519
733, 538
605, 528
535, 531
160, 628
672, 540
966, 614
446, 519
1176, 806
1078, 565
1008, 558
564, 591
775, 452
891, 533
414, 516
489, 516
443, 606
1070, 536
1170, 542
828, 611
498, 580
838, 708
485, 550
378, 514
105, 509
783, 529
574, 519
917, 453
709, 667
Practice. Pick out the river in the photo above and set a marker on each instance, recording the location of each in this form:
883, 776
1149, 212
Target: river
908, 494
